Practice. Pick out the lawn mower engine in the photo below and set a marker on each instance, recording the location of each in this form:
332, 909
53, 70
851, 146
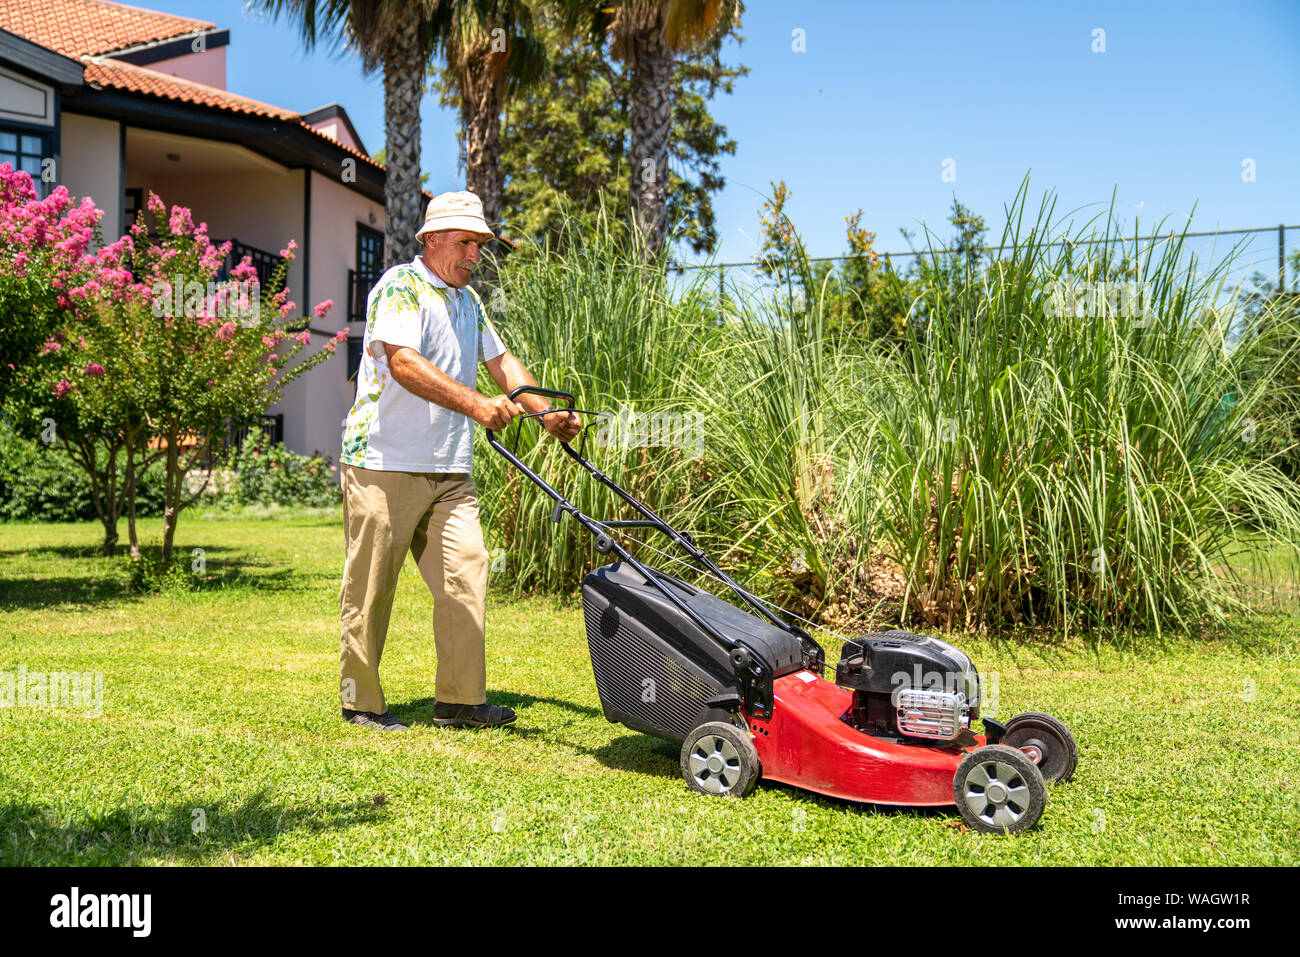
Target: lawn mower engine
908, 688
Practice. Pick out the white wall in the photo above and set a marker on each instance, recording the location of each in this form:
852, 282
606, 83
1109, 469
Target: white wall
322, 397
262, 208
91, 149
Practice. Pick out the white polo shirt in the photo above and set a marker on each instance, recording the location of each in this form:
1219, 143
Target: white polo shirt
389, 428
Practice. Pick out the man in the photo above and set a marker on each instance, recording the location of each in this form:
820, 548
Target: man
407, 446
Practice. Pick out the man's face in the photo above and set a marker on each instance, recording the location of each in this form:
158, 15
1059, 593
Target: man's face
452, 255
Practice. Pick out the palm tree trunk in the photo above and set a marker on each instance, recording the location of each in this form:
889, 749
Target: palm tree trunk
480, 116
650, 132
403, 89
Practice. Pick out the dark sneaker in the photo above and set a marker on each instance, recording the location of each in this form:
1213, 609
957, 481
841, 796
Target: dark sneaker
471, 715
367, 719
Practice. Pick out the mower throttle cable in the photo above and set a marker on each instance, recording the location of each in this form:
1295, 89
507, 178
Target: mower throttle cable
532, 415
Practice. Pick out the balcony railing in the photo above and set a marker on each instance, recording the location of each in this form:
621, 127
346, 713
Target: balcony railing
263, 262
359, 286
270, 428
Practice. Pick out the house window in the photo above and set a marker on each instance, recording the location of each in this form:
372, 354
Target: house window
354, 355
26, 151
370, 251
131, 208
370, 265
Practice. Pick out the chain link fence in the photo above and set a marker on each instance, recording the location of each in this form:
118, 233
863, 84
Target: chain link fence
1258, 256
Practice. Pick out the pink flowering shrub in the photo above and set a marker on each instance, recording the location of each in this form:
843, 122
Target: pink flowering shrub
47, 274
141, 346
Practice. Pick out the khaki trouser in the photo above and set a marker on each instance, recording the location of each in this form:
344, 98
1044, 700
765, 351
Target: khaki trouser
435, 516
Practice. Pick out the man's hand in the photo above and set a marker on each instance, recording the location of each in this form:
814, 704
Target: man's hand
495, 412
509, 374
563, 427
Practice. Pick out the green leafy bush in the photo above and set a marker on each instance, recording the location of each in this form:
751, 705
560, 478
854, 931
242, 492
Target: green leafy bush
269, 474
149, 573
38, 483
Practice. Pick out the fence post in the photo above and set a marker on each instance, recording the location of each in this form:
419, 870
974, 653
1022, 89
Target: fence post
1281, 258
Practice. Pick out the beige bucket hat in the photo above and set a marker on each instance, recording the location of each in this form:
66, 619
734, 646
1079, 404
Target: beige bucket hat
458, 210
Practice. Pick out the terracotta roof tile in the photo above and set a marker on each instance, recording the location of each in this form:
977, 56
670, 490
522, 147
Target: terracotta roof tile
86, 27
106, 72
139, 79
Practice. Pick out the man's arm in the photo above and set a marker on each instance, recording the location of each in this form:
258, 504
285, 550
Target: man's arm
418, 375
509, 374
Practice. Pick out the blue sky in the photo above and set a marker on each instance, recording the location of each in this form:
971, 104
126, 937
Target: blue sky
885, 92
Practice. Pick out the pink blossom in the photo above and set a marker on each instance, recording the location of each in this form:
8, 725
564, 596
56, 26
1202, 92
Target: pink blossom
155, 203
62, 389
323, 307
340, 335
225, 332
15, 185
287, 251
94, 370
244, 270
304, 337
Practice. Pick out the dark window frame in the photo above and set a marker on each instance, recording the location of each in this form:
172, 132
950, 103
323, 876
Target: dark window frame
352, 367
132, 204
369, 267
46, 136
374, 239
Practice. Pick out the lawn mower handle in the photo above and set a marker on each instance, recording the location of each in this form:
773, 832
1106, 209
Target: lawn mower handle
537, 389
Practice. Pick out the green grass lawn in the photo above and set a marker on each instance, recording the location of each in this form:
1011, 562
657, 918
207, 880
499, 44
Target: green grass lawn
220, 706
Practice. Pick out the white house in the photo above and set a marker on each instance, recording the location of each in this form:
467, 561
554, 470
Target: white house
113, 101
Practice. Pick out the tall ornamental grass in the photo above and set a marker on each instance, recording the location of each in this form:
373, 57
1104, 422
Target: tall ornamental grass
591, 318
1066, 438
1054, 450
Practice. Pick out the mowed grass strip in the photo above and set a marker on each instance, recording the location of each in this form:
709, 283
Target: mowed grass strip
220, 740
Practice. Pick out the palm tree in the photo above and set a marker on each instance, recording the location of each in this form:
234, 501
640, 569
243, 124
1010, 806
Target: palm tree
489, 51
647, 36
398, 36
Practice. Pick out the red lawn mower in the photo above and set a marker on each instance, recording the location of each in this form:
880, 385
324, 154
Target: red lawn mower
743, 692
